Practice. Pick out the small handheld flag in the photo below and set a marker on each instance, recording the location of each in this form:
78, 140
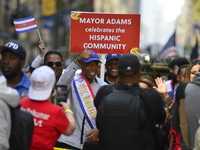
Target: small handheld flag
25, 25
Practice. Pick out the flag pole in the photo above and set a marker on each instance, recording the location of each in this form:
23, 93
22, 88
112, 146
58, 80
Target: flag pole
39, 35
102, 71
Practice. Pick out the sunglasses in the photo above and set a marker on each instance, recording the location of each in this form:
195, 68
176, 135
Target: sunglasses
58, 64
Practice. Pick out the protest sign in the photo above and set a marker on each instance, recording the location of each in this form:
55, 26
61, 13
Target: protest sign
105, 33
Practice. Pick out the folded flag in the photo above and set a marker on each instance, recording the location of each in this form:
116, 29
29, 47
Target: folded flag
25, 24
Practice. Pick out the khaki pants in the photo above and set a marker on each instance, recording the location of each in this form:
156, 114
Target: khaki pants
197, 139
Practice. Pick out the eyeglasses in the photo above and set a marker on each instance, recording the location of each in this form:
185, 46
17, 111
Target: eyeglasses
111, 64
50, 64
172, 69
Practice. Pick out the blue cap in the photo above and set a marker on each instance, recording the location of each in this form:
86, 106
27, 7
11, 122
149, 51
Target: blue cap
15, 47
112, 56
93, 56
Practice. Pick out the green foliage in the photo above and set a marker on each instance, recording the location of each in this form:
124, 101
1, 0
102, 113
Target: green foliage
196, 6
151, 59
187, 47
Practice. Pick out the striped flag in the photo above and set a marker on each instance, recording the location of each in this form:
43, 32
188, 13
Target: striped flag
169, 50
25, 24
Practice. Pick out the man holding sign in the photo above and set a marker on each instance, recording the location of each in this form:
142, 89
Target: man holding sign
82, 90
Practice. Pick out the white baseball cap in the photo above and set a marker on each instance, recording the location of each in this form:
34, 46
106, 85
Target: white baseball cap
42, 83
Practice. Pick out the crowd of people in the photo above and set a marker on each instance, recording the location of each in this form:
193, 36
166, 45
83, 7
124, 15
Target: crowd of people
80, 122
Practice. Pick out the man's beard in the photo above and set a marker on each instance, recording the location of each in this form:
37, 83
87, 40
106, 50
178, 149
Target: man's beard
10, 76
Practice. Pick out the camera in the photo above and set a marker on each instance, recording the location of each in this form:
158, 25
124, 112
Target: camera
61, 93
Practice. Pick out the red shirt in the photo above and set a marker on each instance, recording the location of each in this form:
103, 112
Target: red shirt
49, 122
177, 145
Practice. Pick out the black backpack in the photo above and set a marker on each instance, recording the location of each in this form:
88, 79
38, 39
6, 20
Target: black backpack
21, 129
126, 124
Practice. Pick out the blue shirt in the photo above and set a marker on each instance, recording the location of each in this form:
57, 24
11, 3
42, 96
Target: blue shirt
23, 85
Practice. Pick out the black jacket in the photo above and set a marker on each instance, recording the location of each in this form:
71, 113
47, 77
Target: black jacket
151, 96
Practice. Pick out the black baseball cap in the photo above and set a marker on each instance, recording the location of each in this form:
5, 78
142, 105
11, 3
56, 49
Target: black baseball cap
129, 63
15, 47
179, 61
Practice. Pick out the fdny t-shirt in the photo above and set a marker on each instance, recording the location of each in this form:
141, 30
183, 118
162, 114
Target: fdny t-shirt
50, 121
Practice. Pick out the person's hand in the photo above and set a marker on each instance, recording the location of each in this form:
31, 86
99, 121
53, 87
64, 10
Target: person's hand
161, 85
41, 47
92, 135
83, 56
66, 105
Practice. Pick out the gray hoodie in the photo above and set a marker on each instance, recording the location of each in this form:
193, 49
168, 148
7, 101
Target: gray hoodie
192, 106
8, 96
